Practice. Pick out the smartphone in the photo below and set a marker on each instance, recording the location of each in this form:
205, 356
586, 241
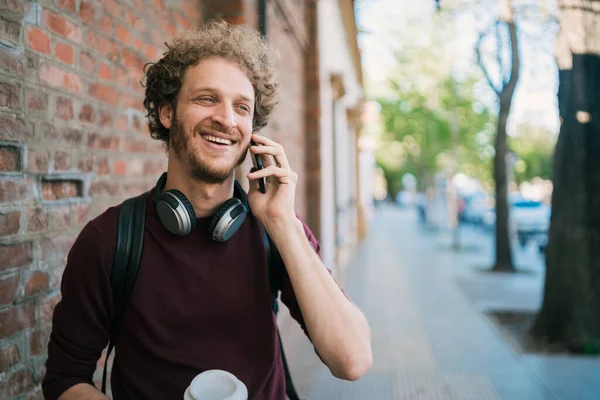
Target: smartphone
258, 164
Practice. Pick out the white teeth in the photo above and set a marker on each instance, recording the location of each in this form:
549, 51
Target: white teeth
217, 140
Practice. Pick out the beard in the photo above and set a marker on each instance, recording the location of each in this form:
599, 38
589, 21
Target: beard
200, 169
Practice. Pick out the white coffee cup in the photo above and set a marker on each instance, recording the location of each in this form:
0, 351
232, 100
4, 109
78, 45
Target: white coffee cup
216, 385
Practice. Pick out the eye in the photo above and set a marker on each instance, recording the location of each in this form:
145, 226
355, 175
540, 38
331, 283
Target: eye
206, 99
245, 109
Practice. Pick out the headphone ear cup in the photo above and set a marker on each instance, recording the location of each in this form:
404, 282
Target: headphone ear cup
226, 220
176, 212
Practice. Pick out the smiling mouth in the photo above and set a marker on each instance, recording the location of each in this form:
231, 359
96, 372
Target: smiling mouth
216, 140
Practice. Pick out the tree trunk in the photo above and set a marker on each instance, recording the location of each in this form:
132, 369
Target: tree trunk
505, 92
504, 259
570, 312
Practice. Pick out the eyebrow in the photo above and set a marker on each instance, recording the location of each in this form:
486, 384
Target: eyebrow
215, 90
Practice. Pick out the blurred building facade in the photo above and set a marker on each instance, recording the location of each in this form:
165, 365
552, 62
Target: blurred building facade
74, 141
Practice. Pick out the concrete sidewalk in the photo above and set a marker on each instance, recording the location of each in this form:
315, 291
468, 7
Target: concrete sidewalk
430, 337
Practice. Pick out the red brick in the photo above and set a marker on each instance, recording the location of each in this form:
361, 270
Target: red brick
68, 5
60, 25
13, 128
132, 102
86, 164
105, 25
136, 146
47, 305
130, 17
86, 62
58, 190
15, 191
105, 72
36, 220
36, 100
86, 12
9, 158
9, 356
62, 161
8, 290
37, 162
16, 319
10, 223
86, 114
16, 384
103, 188
64, 53
120, 167
38, 341
55, 77
112, 7
96, 141
16, 255
122, 123
37, 282
104, 93
10, 96
131, 60
19, 65
121, 76
138, 44
102, 45
72, 137
15, 6
102, 166
38, 40
182, 21
10, 31
104, 118
56, 248
139, 5
122, 34
150, 52
64, 108
61, 218
82, 212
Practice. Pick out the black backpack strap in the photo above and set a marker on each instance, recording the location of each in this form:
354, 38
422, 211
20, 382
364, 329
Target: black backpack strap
275, 268
130, 238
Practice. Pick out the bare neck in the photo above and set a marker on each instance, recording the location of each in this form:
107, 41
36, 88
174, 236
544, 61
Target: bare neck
204, 197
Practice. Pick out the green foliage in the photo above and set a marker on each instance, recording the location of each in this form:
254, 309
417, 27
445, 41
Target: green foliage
535, 148
425, 131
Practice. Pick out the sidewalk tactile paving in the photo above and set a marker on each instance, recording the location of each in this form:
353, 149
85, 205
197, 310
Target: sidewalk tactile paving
374, 385
430, 340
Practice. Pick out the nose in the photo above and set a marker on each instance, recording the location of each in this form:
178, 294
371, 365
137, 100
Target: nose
225, 116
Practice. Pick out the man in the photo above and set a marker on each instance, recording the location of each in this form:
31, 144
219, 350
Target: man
199, 304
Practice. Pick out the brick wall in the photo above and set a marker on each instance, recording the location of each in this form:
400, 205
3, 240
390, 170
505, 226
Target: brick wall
73, 141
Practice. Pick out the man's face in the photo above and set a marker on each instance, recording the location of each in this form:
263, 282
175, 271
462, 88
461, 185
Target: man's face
212, 123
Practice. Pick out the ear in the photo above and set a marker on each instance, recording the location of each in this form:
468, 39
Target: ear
165, 114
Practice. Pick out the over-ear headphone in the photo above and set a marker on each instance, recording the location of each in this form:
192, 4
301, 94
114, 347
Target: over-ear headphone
178, 217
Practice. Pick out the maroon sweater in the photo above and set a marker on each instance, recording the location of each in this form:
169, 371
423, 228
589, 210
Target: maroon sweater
196, 305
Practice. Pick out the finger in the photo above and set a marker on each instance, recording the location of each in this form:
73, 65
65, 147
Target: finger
267, 154
283, 176
274, 149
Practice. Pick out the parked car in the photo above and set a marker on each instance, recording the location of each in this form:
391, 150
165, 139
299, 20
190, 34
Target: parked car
477, 209
531, 221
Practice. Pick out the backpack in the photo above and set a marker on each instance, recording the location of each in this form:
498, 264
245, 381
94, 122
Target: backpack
130, 236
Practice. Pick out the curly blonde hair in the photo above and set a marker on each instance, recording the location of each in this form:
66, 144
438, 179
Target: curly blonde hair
238, 43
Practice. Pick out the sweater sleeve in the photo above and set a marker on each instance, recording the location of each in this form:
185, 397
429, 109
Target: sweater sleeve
288, 297
81, 319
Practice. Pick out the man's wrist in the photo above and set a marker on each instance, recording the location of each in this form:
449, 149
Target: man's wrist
284, 226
